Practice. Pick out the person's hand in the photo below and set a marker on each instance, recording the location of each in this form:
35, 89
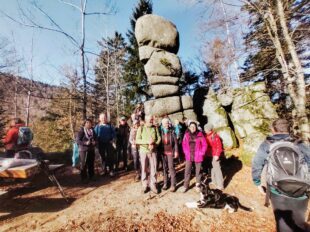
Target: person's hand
176, 155
216, 158
262, 189
151, 141
87, 143
151, 147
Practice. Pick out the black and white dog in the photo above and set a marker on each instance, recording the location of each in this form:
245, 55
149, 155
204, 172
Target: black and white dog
215, 198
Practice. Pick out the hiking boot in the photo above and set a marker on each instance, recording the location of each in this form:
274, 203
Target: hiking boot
197, 188
184, 189
173, 189
154, 189
145, 189
137, 178
165, 187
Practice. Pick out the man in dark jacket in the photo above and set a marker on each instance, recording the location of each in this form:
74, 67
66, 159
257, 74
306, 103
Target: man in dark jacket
86, 140
105, 134
169, 150
289, 212
122, 136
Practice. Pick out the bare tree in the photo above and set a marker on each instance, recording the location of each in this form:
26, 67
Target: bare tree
275, 20
79, 43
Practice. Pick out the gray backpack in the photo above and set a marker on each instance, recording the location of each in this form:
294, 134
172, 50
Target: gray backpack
287, 170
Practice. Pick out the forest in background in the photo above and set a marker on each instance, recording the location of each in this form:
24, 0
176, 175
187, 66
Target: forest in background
275, 46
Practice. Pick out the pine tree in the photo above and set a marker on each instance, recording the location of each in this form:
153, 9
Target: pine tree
135, 77
109, 81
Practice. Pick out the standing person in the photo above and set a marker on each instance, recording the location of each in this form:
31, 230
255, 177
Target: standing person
179, 132
11, 138
169, 151
105, 134
134, 149
293, 159
194, 146
213, 154
122, 137
86, 139
148, 138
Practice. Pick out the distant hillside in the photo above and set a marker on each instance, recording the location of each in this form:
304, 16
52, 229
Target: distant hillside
15, 91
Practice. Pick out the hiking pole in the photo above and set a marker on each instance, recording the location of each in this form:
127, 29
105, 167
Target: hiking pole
52, 178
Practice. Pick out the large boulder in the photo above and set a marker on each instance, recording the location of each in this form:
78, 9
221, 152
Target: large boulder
215, 113
252, 110
225, 97
190, 114
228, 137
176, 116
155, 31
187, 102
163, 63
250, 146
154, 80
163, 106
145, 52
164, 90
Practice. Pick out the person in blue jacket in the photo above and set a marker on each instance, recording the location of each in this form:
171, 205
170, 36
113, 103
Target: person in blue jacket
289, 212
105, 134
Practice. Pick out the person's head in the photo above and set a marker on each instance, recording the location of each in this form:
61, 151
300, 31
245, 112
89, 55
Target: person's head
122, 120
165, 122
15, 121
149, 120
103, 118
280, 126
208, 128
176, 122
88, 124
192, 127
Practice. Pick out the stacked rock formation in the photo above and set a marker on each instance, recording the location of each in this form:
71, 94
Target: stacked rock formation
158, 41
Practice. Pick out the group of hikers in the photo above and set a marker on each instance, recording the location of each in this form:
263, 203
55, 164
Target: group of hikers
150, 142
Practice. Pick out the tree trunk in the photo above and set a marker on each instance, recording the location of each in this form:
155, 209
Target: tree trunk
83, 7
28, 109
300, 98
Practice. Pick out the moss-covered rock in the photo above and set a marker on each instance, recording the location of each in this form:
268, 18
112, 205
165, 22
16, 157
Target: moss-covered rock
215, 113
228, 137
251, 144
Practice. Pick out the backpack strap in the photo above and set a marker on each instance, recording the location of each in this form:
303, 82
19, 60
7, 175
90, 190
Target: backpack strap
267, 196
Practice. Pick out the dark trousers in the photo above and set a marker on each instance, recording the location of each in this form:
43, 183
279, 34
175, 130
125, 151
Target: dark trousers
289, 213
136, 158
122, 150
105, 151
9, 153
188, 171
168, 168
87, 160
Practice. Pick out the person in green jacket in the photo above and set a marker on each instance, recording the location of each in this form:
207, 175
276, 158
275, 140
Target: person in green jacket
148, 138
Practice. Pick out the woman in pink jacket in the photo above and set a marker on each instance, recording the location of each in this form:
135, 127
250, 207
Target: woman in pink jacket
194, 147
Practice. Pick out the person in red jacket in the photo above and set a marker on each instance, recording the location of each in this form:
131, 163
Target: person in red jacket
214, 151
10, 140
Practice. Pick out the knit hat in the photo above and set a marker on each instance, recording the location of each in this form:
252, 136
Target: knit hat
208, 127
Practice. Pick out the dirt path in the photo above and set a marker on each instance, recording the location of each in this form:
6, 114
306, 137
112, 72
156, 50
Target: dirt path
118, 204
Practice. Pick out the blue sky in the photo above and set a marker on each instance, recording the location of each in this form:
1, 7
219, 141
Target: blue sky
51, 51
